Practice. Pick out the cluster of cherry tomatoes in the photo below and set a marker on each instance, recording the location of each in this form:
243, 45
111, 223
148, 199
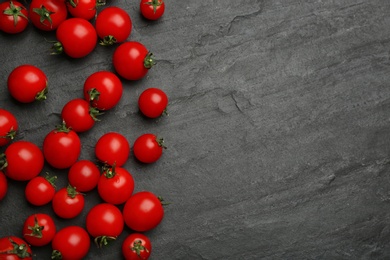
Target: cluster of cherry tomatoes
77, 36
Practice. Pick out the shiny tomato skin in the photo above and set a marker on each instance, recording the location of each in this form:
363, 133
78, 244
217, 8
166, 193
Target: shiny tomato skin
9, 11
104, 219
54, 12
68, 204
103, 89
77, 115
27, 83
136, 246
84, 175
113, 149
8, 126
85, 9
7, 245
3, 186
71, 242
148, 148
152, 9
39, 229
153, 102
39, 191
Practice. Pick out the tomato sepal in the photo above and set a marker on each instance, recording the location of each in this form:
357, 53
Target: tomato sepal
155, 4
15, 12
42, 95
57, 48
103, 241
108, 40
149, 61
3, 161
44, 15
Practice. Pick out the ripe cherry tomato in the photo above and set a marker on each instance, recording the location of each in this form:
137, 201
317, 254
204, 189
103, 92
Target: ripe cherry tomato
70, 243
148, 148
27, 83
85, 9
18, 157
104, 223
153, 102
113, 25
115, 185
136, 246
143, 211
113, 149
61, 147
39, 229
84, 175
3, 185
14, 17
76, 38
78, 115
68, 203
14, 248
40, 190
132, 60
8, 127
103, 89
47, 15
152, 9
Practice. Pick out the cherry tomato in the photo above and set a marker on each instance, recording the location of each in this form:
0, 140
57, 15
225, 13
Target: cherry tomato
103, 89
113, 25
136, 246
104, 223
14, 248
153, 102
84, 175
8, 127
152, 9
22, 161
68, 202
3, 185
61, 147
78, 115
76, 38
143, 211
148, 148
113, 149
40, 190
14, 17
39, 229
27, 83
85, 9
47, 15
70, 243
115, 185
132, 60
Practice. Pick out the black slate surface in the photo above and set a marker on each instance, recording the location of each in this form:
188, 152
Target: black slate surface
278, 128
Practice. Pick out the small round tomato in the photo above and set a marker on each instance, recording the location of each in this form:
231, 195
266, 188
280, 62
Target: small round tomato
8, 127
14, 17
143, 211
47, 15
14, 248
85, 9
68, 203
40, 190
103, 89
104, 223
132, 60
3, 185
152, 9
78, 115
153, 102
18, 157
136, 246
27, 83
113, 25
148, 148
70, 243
84, 175
113, 149
39, 229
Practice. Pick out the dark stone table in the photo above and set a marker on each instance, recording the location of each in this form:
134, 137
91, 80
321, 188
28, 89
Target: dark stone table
278, 131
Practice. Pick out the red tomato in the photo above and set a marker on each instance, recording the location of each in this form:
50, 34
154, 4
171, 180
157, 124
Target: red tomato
76, 38
68, 203
61, 147
40, 190
104, 222
39, 229
3, 185
27, 83
14, 248
71, 243
22, 161
79, 115
113, 25
85, 9
103, 89
115, 185
136, 246
152, 9
47, 15
113, 149
132, 60
148, 148
143, 211
14, 17
8, 127
84, 175
153, 102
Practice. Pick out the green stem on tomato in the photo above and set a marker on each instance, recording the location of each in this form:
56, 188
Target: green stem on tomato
102, 241
149, 61
3, 162
40, 96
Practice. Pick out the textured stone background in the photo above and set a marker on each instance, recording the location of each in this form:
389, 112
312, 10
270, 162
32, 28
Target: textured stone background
278, 135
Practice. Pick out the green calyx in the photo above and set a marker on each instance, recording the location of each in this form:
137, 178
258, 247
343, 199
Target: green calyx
62, 128
57, 48
44, 15
155, 4
40, 96
51, 179
72, 3
149, 61
14, 11
162, 201
109, 172
160, 142
94, 94
3, 162
56, 255
103, 241
72, 192
10, 135
108, 41
94, 112
138, 248
18, 250
36, 230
